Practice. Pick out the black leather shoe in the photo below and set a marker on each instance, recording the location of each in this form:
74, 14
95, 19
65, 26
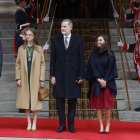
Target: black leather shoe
72, 130
137, 109
61, 129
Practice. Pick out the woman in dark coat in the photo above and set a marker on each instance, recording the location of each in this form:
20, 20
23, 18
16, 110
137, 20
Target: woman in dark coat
100, 73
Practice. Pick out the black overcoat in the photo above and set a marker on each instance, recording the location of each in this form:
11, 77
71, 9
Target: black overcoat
66, 66
104, 67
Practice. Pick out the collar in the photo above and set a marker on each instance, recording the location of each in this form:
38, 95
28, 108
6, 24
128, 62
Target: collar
21, 8
105, 52
23, 37
69, 36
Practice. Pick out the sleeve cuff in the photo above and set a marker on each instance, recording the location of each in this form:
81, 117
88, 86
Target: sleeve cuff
125, 47
123, 16
39, 20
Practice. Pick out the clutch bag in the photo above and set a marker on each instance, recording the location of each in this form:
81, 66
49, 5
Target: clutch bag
42, 94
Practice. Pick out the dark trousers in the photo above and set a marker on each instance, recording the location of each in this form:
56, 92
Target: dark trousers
60, 103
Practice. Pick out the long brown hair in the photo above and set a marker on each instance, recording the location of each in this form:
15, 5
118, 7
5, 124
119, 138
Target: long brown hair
106, 45
34, 40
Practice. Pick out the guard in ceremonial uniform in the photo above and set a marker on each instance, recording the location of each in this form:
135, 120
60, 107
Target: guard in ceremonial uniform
136, 54
22, 30
21, 17
29, 7
135, 4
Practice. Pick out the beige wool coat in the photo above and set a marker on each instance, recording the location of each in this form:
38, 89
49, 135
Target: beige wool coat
37, 74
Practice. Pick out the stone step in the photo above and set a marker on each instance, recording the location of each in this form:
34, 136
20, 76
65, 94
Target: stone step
11, 86
8, 7
132, 84
23, 115
129, 115
112, 24
10, 58
9, 76
10, 106
127, 32
12, 26
130, 62
9, 42
8, 50
121, 75
123, 104
128, 54
11, 33
133, 94
8, 66
114, 47
129, 39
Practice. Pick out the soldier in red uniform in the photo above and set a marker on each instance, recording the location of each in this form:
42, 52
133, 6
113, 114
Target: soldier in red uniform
21, 17
136, 54
135, 4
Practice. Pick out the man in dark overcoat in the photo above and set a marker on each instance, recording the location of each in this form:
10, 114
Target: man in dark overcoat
67, 69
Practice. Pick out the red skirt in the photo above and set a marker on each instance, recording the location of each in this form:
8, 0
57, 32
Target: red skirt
104, 100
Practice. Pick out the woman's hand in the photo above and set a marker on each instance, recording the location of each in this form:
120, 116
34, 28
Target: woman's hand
102, 82
42, 84
18, 82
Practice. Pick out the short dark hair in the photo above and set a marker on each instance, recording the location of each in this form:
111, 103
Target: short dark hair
70, 23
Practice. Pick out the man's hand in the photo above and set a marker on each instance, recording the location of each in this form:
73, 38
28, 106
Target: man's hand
79, 80
18, 82
42, 84
53, 81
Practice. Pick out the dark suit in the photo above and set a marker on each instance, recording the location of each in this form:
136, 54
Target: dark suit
66, 66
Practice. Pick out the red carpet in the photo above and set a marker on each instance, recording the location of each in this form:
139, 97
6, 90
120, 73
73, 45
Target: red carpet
86, 129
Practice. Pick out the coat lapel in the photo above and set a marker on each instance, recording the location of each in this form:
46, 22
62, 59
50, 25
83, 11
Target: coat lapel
34, 55
61, 40
72, 41
25, 59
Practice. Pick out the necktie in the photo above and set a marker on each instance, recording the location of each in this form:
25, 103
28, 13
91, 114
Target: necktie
66, 42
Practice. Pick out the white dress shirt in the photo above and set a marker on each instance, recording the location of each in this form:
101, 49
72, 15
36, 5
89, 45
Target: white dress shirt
68, 38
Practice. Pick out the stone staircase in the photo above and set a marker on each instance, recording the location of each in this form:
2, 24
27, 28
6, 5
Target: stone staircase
8, 83
133, 86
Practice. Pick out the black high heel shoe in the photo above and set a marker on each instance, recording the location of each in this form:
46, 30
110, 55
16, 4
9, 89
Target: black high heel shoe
107, 132
101, 132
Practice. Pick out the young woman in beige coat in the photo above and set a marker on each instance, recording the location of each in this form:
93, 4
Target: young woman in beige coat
30, 76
